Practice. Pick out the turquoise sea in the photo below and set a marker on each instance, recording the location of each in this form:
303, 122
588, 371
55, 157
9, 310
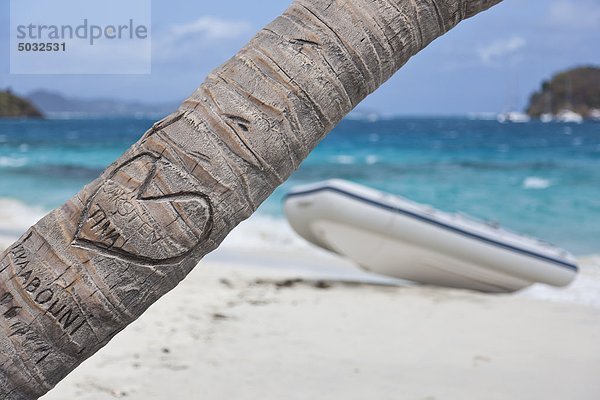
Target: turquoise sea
538, 179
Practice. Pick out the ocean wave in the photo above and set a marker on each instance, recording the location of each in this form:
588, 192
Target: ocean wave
482, 165
15, 218
353, 168
344, 159
12, 162
371, 159
263, 232
583, 290
535, 182
62, 171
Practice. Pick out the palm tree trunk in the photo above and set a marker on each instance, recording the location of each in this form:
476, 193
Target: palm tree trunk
91, 267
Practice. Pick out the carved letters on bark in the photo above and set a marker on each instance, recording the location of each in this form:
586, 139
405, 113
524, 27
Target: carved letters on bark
148, 211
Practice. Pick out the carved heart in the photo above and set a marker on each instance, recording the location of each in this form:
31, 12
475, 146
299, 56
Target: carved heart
148, 211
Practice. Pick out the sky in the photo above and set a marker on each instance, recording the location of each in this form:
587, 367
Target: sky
489, 63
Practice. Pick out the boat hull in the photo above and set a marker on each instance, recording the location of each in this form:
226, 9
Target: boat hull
381, 236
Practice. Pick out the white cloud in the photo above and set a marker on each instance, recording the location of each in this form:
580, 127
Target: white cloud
211, 28
582, 14
495, 51
187, 39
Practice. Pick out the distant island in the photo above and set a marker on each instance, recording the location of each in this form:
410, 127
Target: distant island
57, 104
12, 106
573, 91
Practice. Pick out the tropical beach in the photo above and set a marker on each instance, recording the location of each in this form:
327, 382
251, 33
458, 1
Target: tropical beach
269, 315
251, 200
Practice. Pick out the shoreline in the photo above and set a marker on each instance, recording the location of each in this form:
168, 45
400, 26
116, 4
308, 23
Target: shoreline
269, 244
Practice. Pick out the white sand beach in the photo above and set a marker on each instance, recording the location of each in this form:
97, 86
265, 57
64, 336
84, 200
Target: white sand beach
266, 317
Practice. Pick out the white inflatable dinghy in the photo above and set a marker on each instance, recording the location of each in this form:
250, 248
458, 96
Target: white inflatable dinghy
396, 237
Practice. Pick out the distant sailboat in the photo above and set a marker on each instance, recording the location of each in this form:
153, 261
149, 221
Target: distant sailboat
567, 115
547, 116
511, 115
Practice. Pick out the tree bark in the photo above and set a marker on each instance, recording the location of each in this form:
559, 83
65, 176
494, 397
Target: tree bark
92, 266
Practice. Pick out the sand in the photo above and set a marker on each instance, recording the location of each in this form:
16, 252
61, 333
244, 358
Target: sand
241, 328
268, 317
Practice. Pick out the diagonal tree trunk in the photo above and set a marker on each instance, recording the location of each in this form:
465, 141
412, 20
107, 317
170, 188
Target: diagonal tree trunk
91, 267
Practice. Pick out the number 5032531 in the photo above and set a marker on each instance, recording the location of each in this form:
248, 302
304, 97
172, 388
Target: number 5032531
42, 46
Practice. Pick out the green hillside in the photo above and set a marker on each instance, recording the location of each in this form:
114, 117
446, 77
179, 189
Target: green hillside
577, 89
12, 106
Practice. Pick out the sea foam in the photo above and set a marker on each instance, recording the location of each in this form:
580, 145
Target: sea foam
344, 159
263, 232
15, 219
12, 162
583, 290
534, 182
